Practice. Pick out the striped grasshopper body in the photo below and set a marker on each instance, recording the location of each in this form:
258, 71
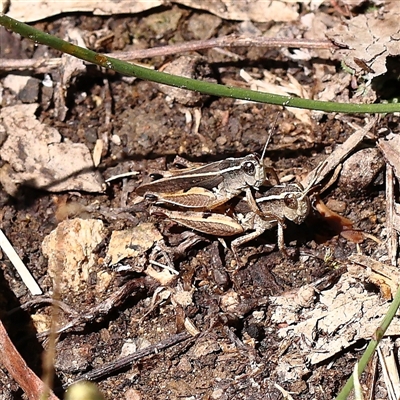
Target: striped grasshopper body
208, 186
279, 203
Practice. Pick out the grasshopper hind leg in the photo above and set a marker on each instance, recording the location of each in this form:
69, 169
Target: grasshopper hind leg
242, 240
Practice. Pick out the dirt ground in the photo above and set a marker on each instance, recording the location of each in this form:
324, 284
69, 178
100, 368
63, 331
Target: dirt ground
240, 351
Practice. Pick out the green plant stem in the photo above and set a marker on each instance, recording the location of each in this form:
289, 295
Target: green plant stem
186, 83
373, 344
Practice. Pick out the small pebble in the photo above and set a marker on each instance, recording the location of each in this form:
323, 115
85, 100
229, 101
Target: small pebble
30, 92
336, 205
203, 26
360, 170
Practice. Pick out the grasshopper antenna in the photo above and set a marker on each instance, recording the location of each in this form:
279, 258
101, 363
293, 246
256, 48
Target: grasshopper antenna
271, 131
269, 170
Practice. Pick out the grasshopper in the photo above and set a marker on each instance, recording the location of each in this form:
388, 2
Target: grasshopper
277, 204
286, 201
208, 186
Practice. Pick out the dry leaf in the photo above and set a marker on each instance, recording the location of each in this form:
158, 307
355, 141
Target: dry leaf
370, 40
390, 147
255, 10
345, 314
36, 157
386, 277
40, 9
340, 225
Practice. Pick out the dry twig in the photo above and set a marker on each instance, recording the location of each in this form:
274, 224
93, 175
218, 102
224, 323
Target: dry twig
123, 362
43, 65
19, 370
390, 212
339, 154
102, 309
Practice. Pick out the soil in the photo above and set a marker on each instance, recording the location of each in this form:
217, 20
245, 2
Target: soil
238, 349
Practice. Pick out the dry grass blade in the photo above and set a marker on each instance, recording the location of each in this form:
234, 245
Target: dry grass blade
340, 153
16, 261
389, 368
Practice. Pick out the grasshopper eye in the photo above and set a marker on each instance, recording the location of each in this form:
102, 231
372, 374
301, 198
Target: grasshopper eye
291, 201
249, 168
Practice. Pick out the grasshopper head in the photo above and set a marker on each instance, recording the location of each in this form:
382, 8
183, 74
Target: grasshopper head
256, 173
286, 201
253, 171
298, 197
296, 206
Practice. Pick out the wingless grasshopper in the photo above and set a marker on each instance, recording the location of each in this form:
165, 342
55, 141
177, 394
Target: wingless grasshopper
208, 186
277, 204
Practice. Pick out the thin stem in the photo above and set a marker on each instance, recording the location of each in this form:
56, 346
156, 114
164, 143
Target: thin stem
231, 41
